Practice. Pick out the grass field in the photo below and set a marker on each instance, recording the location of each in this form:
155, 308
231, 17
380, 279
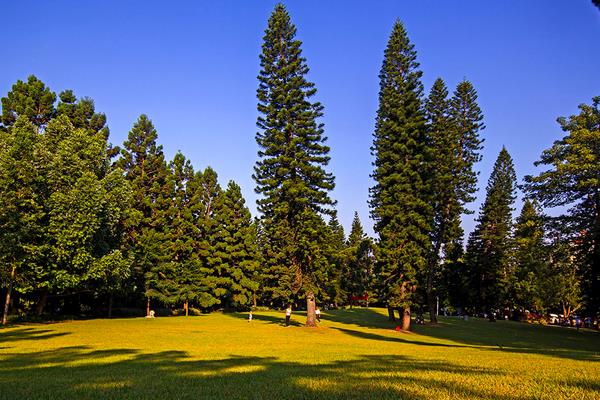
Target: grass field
353, 354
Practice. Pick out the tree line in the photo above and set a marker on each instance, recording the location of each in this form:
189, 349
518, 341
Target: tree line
84, 223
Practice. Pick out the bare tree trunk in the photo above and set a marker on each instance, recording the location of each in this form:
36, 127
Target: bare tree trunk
254, 299
147, 306
310, 310
433, 266
406, 319
391, 316
8, 293
186, 307
110, 304
41, 304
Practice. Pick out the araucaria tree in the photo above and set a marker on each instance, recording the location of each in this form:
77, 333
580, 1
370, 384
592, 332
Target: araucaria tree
235, 258
359, 258
489, 247
530, 259
145, 168
573, 180
290, 173
454, 127
400, 199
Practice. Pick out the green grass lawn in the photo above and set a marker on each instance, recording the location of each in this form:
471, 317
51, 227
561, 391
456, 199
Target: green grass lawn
353, 354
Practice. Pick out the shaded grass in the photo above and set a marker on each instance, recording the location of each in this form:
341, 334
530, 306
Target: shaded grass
353, 354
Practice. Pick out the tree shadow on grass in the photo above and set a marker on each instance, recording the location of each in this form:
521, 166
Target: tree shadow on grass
19, 334
508, 336
271, 319
397, 339
81, 372
363, 317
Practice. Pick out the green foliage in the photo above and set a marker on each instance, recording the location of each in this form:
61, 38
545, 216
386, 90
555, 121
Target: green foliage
144, 165
82, 113
454, 127
32, 100
86, 205
290, 174
207, 192
531, 260
22, 211
573, 180
562, 288
359, 258
489, 247
400, 199
176, 277
62, 206
235, 258
331, 285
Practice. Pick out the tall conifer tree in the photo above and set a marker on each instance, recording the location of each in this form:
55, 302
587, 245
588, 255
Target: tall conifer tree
531, 259
236, 258
145, 168
400, 198
207, 193
359, 261
331, 280
290, 174
31, 99
454, 127
489, 247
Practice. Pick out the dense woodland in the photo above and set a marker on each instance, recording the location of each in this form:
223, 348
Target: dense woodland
89, 228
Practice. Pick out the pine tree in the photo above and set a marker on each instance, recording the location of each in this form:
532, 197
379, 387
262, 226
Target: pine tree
454, 127
359, 261
82, 113
489, 247
331, 280
235, 249
531, 259
290, 174
145, 168
207, 193
572, 181
31, 99
400, 198
180, 267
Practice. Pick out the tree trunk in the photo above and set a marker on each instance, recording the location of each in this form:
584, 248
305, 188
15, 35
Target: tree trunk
147, 306
254, 299
186, 307
310, 310
406, 319
391, 316
41, 304
433, 265
110, 304
8, 293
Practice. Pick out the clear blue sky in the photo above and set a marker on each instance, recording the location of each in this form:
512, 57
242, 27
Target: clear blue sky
192, 67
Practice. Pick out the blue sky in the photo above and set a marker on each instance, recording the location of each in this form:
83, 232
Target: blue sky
191, 66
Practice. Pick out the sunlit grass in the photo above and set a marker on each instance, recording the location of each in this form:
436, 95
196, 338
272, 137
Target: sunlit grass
353, 354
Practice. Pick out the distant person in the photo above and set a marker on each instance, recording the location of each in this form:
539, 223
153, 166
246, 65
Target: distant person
318, 313
288, 315
250, 316
151, 315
